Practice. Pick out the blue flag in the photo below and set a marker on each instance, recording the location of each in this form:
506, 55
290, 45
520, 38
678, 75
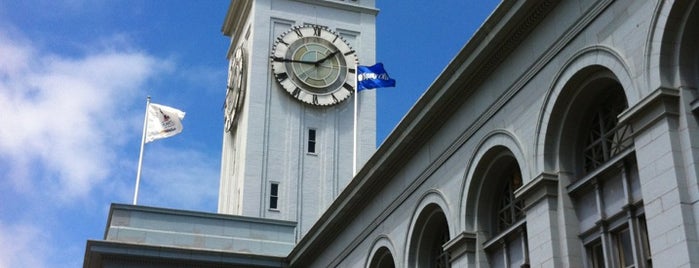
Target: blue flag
370, 77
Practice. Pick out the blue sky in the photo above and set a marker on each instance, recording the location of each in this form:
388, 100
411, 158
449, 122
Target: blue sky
74, 75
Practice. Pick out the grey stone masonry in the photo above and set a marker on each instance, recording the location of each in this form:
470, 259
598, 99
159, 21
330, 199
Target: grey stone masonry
199, 230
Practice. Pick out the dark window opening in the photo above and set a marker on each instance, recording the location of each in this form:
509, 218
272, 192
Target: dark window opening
510, 210
311, 141
606, 137
274, 195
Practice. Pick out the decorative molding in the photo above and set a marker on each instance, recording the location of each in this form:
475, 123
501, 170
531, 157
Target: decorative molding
517, 227
544, 186
354, 6
661, 103
589, 180
236, 17
465, 242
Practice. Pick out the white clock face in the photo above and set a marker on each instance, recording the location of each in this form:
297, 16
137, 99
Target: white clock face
236, 89
315, 65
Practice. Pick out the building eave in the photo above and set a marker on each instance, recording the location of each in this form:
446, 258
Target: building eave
96, 252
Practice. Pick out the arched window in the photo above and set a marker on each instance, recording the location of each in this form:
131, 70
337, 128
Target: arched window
507, 246
605, 137
510, 210
606, 193
382, 259
429, 236
439, 257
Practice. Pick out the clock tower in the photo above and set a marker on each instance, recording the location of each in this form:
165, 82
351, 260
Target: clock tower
288, 131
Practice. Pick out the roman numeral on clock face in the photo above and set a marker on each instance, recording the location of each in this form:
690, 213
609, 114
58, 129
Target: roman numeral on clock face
348, 87
282, 76
280, 40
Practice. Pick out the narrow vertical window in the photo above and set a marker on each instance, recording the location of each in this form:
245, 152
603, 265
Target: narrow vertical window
273, 195
624, 248
311, 141
595, 255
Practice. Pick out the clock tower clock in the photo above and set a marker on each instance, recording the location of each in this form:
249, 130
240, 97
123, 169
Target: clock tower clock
288, 115
315, 65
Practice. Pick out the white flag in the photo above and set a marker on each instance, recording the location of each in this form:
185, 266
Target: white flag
163, 122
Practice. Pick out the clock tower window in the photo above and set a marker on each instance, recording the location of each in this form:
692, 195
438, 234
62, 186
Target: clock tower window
274, 196
312, 141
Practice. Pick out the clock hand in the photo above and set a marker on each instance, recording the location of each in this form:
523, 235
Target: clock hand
326, 57
290, 60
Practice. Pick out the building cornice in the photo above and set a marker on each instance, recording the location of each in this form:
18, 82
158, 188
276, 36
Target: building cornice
343, 6
236, 15
98, 250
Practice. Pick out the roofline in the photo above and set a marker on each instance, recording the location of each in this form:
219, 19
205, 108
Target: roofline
97, 250
196, 214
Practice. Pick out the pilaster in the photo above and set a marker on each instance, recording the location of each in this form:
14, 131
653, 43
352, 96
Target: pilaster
540, 199
671, 231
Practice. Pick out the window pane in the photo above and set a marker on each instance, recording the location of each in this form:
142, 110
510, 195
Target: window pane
497, 258
311, 140
273, 195
273, 202
644, 241
624, 247
595, 255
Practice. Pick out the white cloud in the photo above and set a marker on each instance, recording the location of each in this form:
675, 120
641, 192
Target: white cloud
70, 119
63, 117
20, 244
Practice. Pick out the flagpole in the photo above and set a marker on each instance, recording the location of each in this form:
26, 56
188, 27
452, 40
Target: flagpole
140, 154
356, 98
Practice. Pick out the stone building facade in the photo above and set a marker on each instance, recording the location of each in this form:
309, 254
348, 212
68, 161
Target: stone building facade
563, 134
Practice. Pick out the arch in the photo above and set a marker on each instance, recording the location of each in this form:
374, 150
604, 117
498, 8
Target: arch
497, 163
590, 65
381, 253
471, 188
673, 45
572, 92
582, 140
429, 223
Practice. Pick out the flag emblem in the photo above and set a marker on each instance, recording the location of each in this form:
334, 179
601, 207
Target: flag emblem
163, 122
370, 77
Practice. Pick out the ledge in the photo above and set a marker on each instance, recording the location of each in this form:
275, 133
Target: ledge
543, 186
465, 242
658, 104
107, 253
149, 226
